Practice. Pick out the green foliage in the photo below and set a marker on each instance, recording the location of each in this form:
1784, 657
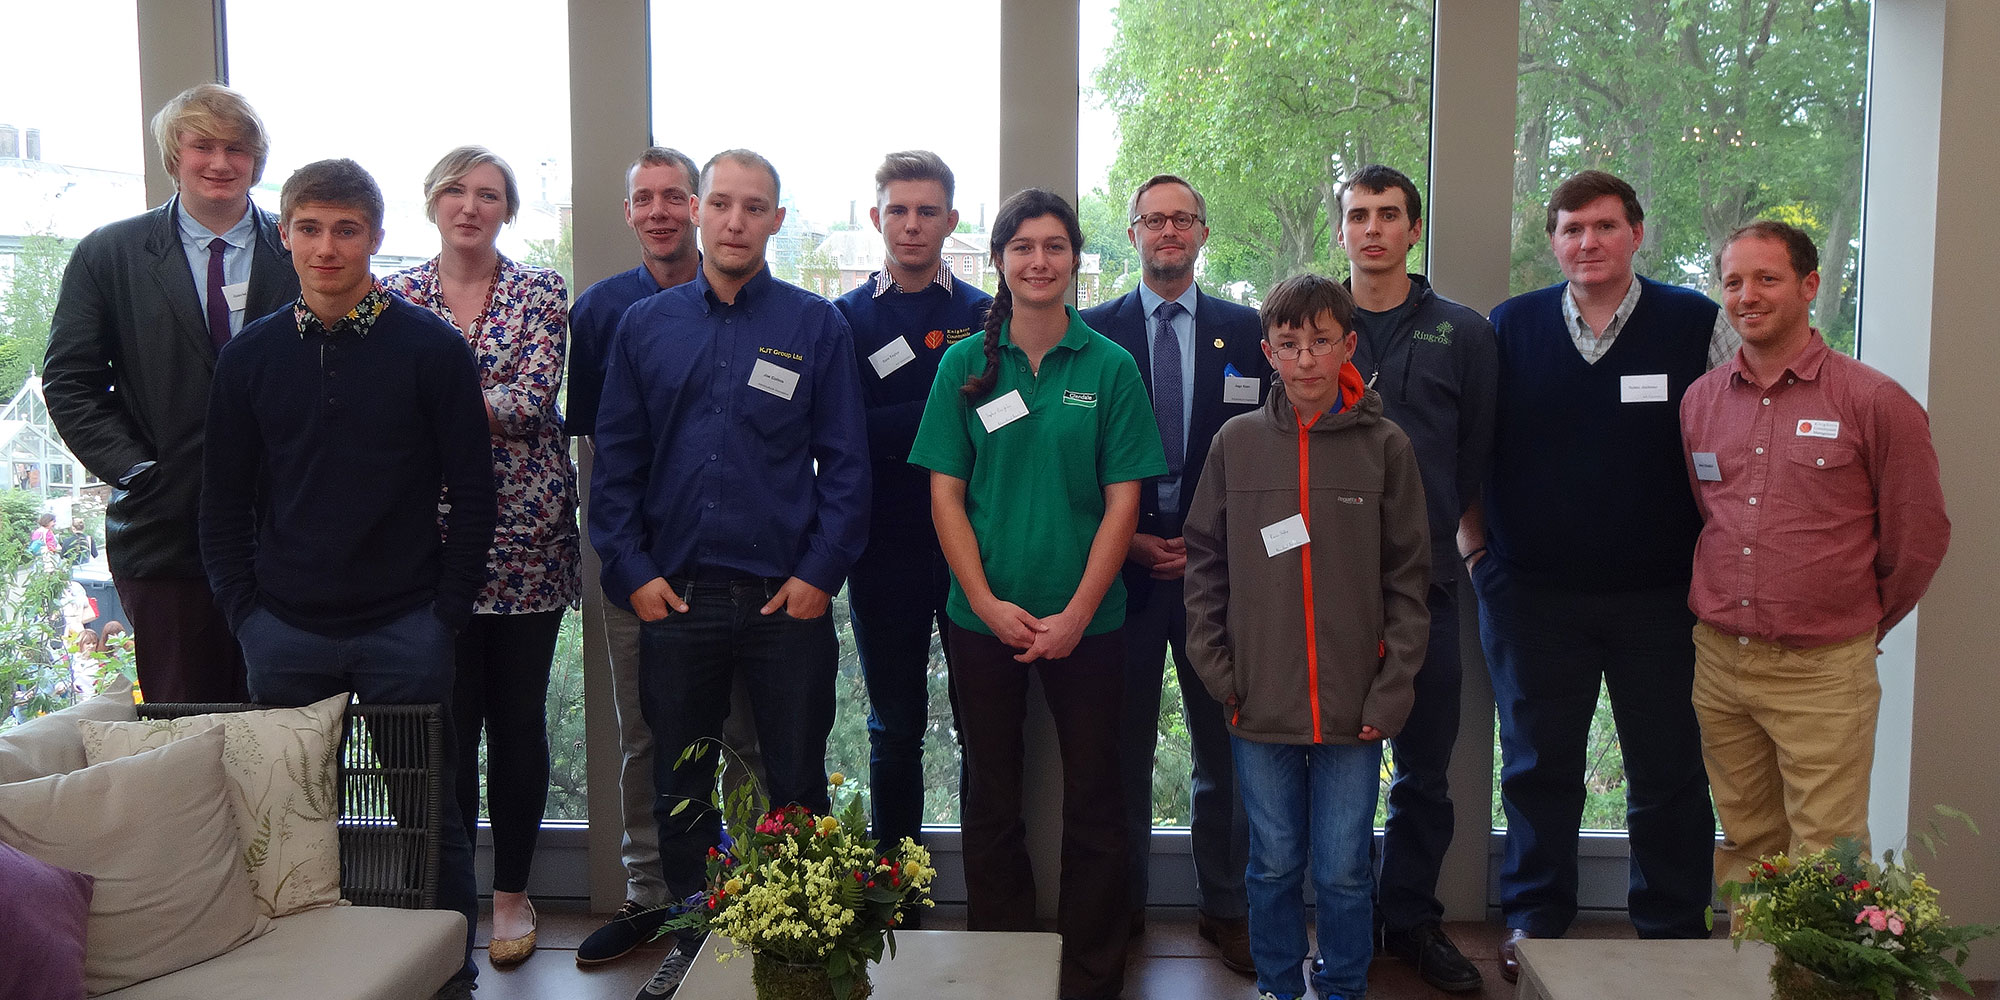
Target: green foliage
29, 300
40, 671
558, 255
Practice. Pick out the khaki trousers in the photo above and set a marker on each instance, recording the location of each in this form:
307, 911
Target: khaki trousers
1788, 736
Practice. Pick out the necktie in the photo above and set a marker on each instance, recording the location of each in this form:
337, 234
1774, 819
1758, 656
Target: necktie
218, 304
1167, 386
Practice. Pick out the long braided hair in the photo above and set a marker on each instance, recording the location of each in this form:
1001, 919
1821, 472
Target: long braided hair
1030, 203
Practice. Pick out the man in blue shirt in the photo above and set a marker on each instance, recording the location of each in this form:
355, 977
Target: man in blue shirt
731, 497
903, 317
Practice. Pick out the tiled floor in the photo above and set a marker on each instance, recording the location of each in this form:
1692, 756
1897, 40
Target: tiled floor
1169, 963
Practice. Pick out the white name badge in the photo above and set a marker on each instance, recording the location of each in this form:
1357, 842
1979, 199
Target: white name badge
1706, 468
779, 382
1819, 428
237, 295
1285, 535
1642, 388
1003, 411
893, 355
1240, 389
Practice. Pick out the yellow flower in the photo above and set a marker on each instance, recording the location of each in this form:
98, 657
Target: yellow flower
828, 824
911, 868
733, 886
836, 779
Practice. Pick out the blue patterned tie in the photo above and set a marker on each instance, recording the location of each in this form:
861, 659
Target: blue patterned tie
1167, 386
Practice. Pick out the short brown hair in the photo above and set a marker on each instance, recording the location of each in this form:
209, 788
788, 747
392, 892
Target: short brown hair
1299, 299
664, 156
453, 168
1589, 186
742, 158
213, 111
1798, 246
915, 165
1376, 178
1200, 203
332, 182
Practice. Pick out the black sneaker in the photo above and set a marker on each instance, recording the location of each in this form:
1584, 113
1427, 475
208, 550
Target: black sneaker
1435, 958
632, 926
674, 968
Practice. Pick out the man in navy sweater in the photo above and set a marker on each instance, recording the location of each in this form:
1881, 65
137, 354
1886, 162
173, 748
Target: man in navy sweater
334, 426
903, 317
1201, 362
1432, 362
1581, 551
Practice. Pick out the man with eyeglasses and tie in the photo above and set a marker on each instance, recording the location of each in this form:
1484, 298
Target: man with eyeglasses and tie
1200, 359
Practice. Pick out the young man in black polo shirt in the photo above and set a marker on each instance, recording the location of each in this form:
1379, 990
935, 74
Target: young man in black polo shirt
335, 426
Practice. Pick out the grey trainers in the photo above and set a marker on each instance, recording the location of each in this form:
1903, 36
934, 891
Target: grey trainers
672, 970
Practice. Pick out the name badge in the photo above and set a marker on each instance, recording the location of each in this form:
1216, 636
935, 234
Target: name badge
1285, 535
893, 355
1819, 428
1642, 388
779, 382
1003, 411
237, 295
1706, 468
1240, 389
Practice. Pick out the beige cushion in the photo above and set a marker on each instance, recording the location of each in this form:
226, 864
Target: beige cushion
332, 953
159, 835
281, 764
50, 744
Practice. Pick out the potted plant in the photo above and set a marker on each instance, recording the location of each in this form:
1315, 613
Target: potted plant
1846, 928
813, 898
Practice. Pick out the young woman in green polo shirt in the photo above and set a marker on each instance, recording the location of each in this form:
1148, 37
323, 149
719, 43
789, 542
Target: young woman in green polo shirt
1037, 434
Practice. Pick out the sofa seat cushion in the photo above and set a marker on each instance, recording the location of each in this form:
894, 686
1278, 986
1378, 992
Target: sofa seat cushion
331, 953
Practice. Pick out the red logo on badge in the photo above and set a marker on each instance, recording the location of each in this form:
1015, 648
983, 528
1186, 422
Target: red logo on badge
1805, 427
934, 339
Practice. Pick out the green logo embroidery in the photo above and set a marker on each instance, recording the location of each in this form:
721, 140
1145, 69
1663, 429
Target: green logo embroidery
1079, 398
1441, 336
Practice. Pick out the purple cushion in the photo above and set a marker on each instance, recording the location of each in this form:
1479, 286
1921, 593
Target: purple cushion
43, 909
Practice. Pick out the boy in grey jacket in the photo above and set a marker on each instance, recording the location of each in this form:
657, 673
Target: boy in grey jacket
1308, 561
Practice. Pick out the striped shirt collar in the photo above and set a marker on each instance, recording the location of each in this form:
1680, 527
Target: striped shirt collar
884, 281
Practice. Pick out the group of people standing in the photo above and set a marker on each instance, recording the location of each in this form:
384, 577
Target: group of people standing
353, 484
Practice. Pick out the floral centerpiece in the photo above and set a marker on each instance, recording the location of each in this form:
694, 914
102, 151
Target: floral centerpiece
812, 897
1846, 928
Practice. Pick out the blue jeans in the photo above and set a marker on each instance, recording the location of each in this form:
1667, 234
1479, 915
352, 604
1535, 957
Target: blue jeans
1318, 798
895, 597
408, 661
688, 663
1548, 649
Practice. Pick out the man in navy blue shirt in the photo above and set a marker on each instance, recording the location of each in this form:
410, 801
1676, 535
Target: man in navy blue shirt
903, 317
731, 498
334, 426
1202, 364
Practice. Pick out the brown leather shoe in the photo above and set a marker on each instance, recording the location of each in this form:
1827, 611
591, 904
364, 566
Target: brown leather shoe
1232, 938
1510, 964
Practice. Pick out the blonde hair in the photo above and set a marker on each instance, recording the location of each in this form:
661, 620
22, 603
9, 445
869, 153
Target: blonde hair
212, 111
453, 168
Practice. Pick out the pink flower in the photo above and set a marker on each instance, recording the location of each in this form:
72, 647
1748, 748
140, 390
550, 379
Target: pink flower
1896, 925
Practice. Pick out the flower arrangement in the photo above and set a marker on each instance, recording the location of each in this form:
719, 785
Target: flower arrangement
803, 890
1844, 926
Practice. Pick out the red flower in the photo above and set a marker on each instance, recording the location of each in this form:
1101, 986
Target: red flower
1861, 885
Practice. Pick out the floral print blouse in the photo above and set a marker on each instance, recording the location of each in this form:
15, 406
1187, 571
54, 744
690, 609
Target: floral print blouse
536, 560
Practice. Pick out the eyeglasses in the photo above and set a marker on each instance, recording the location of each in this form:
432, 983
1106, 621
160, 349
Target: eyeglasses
1158, 221
1318, 349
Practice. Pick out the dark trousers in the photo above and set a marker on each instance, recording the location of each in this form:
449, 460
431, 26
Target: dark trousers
405, 662
1220, 835
185, 650
503, 688
688, 662
895, 598
1082, 691
1547, 650
1419, 828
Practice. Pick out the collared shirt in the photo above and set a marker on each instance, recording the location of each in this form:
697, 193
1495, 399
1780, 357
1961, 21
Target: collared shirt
884, 281
358, 321
195, 239
1150, 301
730, 439
1827, 520
591, 322
1722, 341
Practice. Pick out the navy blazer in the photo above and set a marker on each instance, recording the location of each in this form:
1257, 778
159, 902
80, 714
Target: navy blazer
1224, 334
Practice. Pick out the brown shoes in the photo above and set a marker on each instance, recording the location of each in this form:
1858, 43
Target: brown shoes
1232, 938
1510, 964
503, 952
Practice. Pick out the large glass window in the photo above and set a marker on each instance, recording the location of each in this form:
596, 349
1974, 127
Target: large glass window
823, 100
394, 85
1265, 106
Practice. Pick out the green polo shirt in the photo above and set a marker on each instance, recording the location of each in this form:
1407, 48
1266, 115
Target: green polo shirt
1035, 486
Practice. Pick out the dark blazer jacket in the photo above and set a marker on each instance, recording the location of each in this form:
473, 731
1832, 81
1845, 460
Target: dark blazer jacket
127, 376
1224, 334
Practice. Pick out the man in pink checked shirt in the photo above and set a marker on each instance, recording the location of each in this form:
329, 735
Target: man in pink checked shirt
1823, 521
